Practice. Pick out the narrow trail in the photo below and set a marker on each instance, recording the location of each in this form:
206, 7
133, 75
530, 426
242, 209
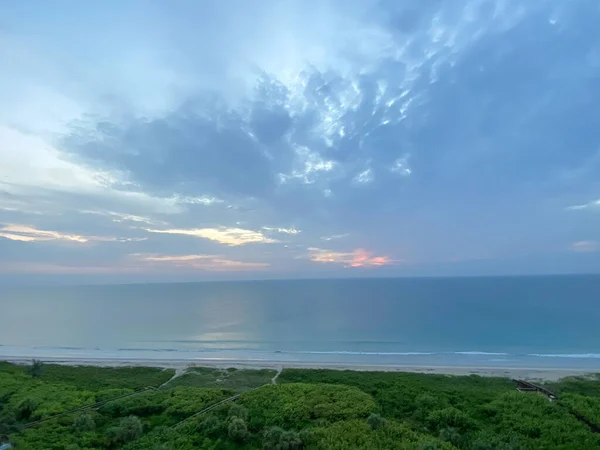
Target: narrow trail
274, 379
178, 372
210, 408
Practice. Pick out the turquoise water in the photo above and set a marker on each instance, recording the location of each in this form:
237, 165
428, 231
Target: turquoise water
513, 321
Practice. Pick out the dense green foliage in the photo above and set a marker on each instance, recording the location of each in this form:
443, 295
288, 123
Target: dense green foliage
237, 380
307, 409
298, 405
358, 434
469, 412
584, 407
589, 385
101, 378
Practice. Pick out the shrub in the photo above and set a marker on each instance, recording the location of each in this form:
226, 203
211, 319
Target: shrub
451, 435
375, 421
238, 411
449, 417
237, 430
36, 369
212, 427
84, 422
307, 436
26, 408
297, 405
129, 429
276, 438
358, 434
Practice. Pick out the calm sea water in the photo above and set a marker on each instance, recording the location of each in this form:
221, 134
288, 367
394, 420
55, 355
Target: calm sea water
512, 321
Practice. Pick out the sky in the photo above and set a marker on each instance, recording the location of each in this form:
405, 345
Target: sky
185, 140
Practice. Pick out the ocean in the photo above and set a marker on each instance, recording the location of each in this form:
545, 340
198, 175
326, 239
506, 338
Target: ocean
546, 321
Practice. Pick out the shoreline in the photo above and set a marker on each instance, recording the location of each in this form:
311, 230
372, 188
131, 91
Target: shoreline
527, 373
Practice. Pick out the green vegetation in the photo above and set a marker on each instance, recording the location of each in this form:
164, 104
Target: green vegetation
102, 378
36, 369
238, 380
588, 385
587, 408
45, 407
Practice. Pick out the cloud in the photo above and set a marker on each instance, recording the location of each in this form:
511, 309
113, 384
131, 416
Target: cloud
334, 237
27, 233
586, 246
202, 262
590, 205
282, 230
401, 167
66, 269
124, 217
356, 258
222, 235
433, 130
364, 177
35, 175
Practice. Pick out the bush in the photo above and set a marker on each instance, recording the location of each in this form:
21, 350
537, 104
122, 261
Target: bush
586, 407
238, 411
451, 435
375, 421
271, 436
183, 402
276, 438
8, 425
237, 430
84, 422
26, 408
298, 405
36, 369
307, 436
129, 429
449, 418
212, 427
348, 434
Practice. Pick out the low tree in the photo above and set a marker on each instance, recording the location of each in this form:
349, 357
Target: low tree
307, 436
449, 418
129, 429
276, 438
429, 446
237, 429
375, 421
451, 435
36, 369
238, 411
212, 427
84, 422
26, 408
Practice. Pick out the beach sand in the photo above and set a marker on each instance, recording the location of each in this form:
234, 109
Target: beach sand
545, 374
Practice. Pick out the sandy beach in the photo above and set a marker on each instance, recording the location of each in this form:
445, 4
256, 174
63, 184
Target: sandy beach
533, 373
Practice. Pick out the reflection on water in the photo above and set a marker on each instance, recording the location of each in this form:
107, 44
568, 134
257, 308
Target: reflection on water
380, 320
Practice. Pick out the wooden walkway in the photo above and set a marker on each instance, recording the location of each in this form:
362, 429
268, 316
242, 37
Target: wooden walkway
85, 407
526, 386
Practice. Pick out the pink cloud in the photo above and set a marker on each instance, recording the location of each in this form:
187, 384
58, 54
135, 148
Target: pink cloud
356, 258
213, 263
